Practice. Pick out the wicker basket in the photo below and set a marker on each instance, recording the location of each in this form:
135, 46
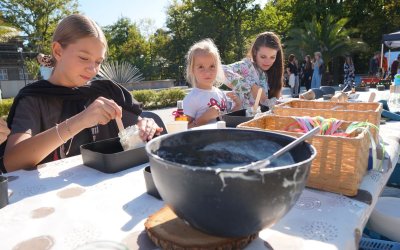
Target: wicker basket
341, 162
347, 111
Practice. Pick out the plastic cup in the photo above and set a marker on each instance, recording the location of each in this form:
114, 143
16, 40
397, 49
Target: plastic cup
176, 126
3, 191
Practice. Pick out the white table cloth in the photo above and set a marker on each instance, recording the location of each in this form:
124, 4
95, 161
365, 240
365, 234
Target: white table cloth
64, 204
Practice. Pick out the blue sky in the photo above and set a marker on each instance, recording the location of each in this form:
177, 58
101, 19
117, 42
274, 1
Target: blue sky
106, 12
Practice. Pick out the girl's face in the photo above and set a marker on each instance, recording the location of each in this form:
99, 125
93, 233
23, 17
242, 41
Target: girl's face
265, 57
204, 70
78, 62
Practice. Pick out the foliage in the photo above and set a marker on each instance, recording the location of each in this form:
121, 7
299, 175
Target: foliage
152, 99
7, 32
160, 53
126, 43
5, 106
329, 36
33, 67
37, 19
120, 72
223, 21
371, 18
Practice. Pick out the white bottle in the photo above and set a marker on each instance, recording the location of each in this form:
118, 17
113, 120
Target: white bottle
221, 124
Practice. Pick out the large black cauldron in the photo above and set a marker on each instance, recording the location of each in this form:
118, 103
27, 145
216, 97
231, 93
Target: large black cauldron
226, 202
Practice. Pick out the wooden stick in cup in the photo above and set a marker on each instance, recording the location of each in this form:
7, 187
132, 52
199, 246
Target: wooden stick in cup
119, 124
257, 101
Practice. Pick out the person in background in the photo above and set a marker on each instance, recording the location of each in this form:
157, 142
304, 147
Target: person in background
307, 71
375, 68
263, 69
373, 64
51, 119
46, 65
298, 82
395, 67
292, 72
205, 102
383, 71
349, 72
318, 70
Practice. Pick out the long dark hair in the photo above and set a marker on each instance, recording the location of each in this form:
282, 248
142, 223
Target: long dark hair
275, 73
308, 62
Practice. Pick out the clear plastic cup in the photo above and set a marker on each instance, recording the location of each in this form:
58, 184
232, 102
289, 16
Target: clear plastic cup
176, 126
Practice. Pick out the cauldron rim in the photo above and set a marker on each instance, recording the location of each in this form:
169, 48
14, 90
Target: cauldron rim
312, 149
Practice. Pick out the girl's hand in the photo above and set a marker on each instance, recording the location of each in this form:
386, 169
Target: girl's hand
101, 111
212, 113
254, 91
236, 100
4, 131
148, 128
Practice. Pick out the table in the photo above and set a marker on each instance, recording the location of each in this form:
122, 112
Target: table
64, 204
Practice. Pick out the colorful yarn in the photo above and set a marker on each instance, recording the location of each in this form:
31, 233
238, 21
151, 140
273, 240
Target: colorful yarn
328, 126
331, 126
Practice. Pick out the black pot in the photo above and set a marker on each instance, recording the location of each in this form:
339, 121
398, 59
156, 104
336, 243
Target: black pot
228, 203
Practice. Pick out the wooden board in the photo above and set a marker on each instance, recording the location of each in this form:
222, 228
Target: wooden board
168, 231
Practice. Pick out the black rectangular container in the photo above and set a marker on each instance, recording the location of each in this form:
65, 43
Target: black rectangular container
150, 187
108, 156
233, 119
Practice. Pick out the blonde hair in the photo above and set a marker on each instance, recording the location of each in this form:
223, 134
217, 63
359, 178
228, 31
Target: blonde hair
320, 60
75, 27
205, 46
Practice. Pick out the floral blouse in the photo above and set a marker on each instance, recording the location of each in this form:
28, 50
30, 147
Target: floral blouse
240, 77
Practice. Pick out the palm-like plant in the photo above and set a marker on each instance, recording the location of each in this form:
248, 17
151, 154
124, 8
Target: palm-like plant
7, 32
120, 72
329, 36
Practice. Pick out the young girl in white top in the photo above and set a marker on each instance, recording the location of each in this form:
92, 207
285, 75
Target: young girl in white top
205, 102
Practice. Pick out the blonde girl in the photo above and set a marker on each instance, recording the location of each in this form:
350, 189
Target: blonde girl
205, 102
50, 119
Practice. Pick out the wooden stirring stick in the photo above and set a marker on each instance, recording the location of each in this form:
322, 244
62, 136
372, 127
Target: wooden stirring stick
257, 101
119, 124
371, 97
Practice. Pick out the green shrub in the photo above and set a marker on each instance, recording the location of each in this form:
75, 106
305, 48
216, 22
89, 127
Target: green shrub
169, 97
5, 106
146, 97
150, 99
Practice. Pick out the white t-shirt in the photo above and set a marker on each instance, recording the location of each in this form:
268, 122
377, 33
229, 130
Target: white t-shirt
199, 100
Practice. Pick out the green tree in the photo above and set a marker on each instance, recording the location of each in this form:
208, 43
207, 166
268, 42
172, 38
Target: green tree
276, 16
330, 37
372, 19
228, 23
7, 32
37, 19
